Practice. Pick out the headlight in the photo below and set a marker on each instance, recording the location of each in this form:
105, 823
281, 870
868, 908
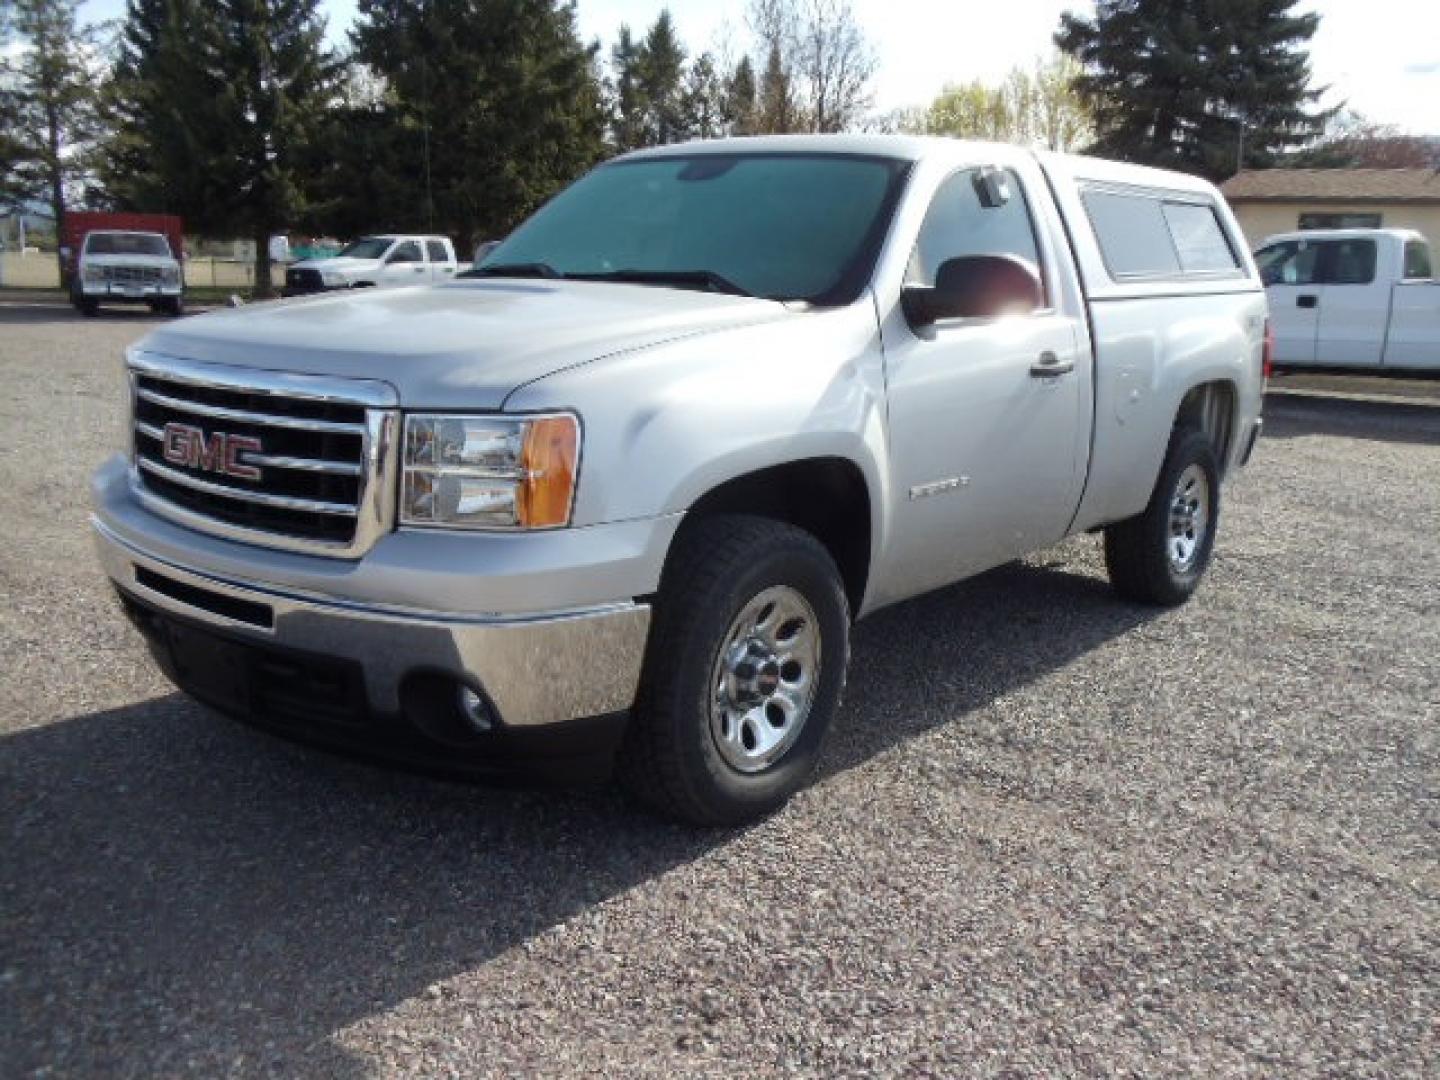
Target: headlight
95, 273
333, 279
170, 275
489, 472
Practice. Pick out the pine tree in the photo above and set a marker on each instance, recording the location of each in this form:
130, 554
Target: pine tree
777, 111
661, 71
702, 100
499, 97
52, 101
1199, 85
628, 106
217, 105
741, 99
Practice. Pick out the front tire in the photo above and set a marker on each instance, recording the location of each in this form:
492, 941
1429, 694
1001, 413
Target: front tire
1160, 555
743, 673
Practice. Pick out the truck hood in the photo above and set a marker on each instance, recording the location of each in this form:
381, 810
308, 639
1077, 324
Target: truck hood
341, 263
128, 260
466, 344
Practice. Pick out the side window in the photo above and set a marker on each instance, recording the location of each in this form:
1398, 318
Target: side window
1294, 262
1340, 221
408, 252
958, 223
1134, 236
436, 249
1199, 240
1417, 261
1350, 262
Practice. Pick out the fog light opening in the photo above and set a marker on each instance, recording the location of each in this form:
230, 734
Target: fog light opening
477, 711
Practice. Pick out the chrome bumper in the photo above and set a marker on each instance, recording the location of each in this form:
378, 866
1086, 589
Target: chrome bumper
536, 670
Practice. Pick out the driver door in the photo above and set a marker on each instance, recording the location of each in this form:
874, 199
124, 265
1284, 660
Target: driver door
988, 417
405, 265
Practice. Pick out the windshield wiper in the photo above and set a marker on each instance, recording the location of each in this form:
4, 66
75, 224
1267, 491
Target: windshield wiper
528, 269
684, 279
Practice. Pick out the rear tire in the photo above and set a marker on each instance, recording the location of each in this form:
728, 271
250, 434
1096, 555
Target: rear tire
88, 308
1160, 555
743, 672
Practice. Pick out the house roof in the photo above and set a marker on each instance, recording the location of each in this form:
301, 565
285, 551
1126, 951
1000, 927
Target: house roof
1334, 185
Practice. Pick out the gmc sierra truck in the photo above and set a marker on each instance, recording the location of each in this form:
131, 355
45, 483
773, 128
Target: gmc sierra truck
614, 498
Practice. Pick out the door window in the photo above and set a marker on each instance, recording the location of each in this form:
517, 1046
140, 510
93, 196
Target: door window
437, 251
407, 252
1417, 261
1349, 262
1294, 262
959, 223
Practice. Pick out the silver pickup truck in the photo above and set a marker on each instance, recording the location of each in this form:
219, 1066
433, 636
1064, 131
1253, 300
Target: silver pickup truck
614, 498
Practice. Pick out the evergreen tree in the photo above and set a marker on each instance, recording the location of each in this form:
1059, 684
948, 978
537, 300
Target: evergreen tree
1198, 85
500, 99
661, 71
741, 99
777, 111
217, 105
51, 98
628, 107
702, 100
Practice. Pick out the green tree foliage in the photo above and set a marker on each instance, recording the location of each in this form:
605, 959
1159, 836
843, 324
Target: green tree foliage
741, 100
1197, 85
496, 99
651, 89
50, 98
217, 106
1035, 106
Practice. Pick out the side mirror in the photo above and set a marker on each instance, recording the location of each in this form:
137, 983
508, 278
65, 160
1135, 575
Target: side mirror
975, 287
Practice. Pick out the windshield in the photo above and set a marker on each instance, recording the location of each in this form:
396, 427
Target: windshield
126, 243
781, 226
369, 247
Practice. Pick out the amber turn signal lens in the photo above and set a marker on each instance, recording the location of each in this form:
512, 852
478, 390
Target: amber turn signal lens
549, 460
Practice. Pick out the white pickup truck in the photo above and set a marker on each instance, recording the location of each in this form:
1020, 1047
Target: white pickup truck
616, 496
1355, 298
122, 266
386, 261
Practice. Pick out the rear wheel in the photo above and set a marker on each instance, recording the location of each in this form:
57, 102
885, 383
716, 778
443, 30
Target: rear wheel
1160, 555
744, 671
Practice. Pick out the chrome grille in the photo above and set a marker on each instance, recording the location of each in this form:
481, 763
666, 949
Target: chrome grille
291, 461
134, 275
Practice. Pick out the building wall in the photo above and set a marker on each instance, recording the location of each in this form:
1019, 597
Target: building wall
1260, 220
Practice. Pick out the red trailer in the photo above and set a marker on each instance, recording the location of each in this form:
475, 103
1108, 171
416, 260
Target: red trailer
80, 222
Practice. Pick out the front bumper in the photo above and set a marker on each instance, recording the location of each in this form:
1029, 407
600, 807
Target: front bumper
534, 670
114, 291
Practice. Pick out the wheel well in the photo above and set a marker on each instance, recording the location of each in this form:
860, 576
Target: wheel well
1210, 408
827, 497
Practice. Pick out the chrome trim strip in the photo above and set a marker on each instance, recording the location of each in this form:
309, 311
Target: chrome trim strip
273, 461
280, 502
369, 393
220, 412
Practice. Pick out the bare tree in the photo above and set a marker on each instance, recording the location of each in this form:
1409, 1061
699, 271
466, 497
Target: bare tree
835, 64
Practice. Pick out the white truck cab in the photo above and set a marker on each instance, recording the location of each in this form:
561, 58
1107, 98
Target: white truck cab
121, 266
1362, 298
382, 261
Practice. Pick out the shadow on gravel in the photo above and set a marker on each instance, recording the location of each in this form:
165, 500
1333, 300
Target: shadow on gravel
43, 311
1290, 416
181, 894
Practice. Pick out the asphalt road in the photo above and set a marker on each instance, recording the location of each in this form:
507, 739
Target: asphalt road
1055, 834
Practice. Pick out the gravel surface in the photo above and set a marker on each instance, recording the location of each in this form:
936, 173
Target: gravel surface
1054, 834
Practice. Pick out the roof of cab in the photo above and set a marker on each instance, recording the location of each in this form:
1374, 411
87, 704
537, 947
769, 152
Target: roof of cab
918, 147
1400, 235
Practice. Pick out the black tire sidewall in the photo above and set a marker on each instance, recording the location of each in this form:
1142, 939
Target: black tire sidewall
683, 669
1189, 447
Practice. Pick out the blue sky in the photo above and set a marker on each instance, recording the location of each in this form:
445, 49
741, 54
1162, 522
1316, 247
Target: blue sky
1383, 56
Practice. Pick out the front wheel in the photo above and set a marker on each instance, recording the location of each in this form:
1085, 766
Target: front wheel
1160, 555
743, 673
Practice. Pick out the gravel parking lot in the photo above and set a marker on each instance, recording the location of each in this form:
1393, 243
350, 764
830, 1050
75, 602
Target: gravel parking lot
1055, 834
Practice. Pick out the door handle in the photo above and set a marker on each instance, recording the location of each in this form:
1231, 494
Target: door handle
1050, 366
1307, 301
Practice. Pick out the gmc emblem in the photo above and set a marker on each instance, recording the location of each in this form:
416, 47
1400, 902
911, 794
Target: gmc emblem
219, 452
